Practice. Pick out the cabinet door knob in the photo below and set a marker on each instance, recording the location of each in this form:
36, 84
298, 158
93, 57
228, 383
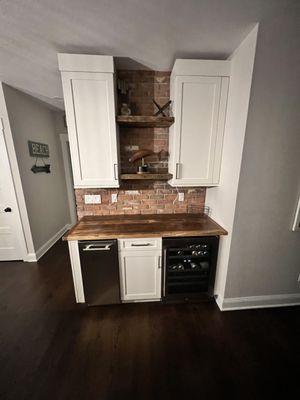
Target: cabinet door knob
7, 209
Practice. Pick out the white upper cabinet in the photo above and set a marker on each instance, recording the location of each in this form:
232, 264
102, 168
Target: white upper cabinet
89, 95
199, 94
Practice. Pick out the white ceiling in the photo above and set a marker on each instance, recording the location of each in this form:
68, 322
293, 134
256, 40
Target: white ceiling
150, 32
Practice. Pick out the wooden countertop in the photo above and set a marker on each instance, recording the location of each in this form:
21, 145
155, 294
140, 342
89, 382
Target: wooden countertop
135, 226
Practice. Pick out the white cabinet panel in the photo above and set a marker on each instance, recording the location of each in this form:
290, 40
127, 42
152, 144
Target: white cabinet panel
141, 276
90, 110
93, 128
140, 270
196, 138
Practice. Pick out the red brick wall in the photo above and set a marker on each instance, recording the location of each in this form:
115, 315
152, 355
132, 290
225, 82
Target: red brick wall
148, 197
156, 198
144, 86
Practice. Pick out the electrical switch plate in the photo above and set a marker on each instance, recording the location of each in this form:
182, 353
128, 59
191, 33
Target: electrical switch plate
181, 196
114, 197
92, 199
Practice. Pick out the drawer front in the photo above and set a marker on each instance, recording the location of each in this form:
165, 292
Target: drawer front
141, 244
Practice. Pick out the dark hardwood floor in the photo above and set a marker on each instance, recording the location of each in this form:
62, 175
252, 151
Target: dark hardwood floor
51, 348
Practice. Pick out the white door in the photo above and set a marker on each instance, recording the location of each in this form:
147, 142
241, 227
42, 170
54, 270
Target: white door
140, 275
11, 233
200, 105
90, 111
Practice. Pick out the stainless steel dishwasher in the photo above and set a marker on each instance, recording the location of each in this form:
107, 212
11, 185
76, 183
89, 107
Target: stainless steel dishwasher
100, 271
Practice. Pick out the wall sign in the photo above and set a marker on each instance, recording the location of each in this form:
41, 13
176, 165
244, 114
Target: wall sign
37, 149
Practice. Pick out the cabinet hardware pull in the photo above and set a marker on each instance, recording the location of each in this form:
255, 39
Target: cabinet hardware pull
95, 247
164, 272
140, 244
116, 171
177, 170
159, 262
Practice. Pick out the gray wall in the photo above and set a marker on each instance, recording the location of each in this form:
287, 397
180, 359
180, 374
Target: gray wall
59, 123
265, 253
45, 194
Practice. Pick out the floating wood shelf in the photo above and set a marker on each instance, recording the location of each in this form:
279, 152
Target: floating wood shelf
157, 177
145, 121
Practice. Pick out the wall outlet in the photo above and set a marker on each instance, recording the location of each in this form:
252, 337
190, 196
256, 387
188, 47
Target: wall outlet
114, 197
181, 196
92, 199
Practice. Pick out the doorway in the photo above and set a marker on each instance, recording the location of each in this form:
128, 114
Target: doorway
12, 242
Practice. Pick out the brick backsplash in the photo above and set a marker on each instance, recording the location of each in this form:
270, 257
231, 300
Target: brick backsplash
143, 197
155, 198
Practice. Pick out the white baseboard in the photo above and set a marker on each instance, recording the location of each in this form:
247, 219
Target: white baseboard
33, 257
242, 303
219, 300
30, 257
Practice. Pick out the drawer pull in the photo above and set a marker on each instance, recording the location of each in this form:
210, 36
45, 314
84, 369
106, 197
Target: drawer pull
140, 244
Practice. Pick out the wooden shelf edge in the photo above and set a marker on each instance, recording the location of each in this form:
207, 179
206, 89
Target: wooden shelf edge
145, 121
158, 177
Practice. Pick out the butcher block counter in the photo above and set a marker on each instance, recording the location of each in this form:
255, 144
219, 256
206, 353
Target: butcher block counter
132, 226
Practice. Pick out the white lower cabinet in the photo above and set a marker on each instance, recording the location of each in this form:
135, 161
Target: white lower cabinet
140, 269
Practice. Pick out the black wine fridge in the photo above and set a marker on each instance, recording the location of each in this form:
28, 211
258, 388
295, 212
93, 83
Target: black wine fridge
189, 267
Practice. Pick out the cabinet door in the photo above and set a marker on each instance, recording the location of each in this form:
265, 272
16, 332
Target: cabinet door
197, 136
140, 275
90, 111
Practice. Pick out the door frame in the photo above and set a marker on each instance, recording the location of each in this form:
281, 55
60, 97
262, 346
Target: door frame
64, 140
15, 223
25, 235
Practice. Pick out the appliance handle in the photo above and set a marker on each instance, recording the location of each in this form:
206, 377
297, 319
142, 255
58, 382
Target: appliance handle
140, 244
164, 272
97, 247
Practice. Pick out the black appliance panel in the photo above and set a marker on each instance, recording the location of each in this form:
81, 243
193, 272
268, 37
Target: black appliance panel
100, 271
